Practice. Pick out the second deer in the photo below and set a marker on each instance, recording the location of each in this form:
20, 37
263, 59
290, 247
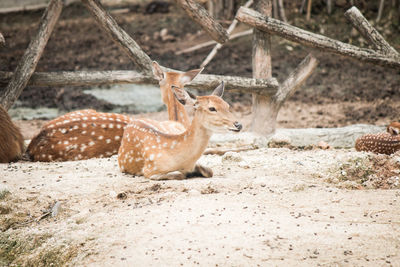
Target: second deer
158, 155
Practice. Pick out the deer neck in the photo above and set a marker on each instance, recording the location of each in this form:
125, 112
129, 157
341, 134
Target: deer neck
192, 143
176, 111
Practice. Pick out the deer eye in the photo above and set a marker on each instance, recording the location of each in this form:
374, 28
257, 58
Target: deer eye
212, 109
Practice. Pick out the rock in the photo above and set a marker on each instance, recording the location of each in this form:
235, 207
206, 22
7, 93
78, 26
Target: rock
231, 157
279, 140
323, 145
56, 209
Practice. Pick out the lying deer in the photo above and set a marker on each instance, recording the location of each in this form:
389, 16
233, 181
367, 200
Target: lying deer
158, 155
11, 140
176, 111
86, 134
383, 143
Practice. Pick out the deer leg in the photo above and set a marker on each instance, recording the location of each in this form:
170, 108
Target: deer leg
200, 171
175, 175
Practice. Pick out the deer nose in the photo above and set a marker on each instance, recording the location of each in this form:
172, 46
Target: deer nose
238, 125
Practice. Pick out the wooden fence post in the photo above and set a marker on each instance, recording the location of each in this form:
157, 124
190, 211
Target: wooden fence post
32, 54
261, 62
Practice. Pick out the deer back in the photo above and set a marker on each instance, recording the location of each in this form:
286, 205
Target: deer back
11, 140
381, 143
79, 135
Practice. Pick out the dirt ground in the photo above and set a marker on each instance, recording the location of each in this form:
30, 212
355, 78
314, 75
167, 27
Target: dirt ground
269, 206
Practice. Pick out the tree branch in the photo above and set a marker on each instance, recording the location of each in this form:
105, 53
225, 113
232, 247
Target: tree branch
119, 36
89, 78
296, 78
321, 42
370, 33
32, 54
2, 40
201, 16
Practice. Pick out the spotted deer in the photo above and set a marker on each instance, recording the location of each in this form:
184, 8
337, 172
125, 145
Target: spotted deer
11, 140
176, 110
86, 134
382, 143
159, 155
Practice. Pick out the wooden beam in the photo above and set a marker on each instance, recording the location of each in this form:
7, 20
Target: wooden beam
370, 33
2, 40
263, 122
119, 36
273, 26
201, 17
90, 78
32, 54
296, 79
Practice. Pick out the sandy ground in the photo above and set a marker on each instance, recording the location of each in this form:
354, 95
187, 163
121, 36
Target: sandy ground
265, 207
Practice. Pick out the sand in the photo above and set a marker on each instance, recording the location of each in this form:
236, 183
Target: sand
267, 207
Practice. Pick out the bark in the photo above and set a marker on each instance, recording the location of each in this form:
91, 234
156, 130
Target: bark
281, 9
381, 5
89, 78
369, 32
201, 17
321, 42
329, 6
309, 4
122, 39
263, 121
2, 40
32, 54
295, 79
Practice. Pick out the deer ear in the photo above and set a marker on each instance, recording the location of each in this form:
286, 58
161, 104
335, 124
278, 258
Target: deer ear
219, 91
182, 96
188, 76
393, 130
157, 71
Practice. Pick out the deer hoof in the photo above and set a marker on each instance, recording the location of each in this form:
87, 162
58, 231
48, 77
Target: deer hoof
203, 171
176, 175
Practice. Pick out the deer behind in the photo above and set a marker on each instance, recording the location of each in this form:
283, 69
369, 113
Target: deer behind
382, 143
79, 135
146, 150
11, 140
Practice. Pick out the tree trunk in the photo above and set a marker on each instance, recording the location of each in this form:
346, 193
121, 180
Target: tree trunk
263, 121
32, 54
222, 9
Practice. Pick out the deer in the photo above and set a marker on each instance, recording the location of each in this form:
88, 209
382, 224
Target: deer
12, 145
167, 80
86, 134
382, 143
147, 150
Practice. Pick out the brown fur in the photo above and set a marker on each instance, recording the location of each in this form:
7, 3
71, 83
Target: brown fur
11, 140
381, 143
77, 135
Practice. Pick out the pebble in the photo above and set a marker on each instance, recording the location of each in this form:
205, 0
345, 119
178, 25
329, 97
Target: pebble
231, 157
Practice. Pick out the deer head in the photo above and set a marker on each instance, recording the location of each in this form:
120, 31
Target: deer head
394, 128
176, 111
212, 111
